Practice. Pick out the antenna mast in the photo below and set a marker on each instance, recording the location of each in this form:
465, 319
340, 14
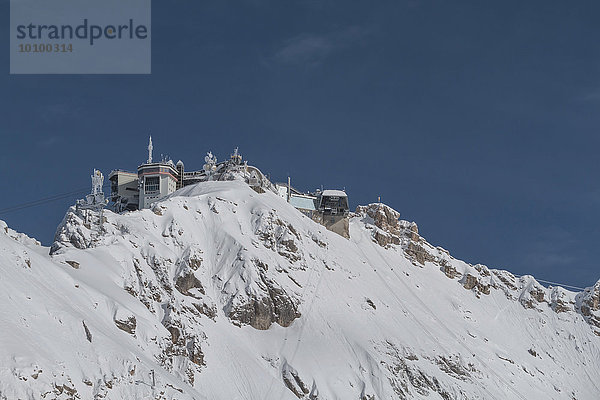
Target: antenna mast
150, 150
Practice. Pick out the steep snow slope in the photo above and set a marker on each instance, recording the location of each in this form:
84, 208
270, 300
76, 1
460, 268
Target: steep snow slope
223, 293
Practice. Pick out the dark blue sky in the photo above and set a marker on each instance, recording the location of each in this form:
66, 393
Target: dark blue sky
477, 120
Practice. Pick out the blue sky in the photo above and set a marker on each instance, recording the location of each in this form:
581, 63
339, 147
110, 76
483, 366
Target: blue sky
476, 120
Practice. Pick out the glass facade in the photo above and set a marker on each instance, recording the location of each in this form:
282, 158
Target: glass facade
151, 184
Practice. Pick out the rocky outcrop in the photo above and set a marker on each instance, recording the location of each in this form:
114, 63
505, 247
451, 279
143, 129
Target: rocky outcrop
272, 305
188, 281
293, 382
88, 334
451, 271
409, 381
560, 300
389, 230
72, 231
589, 306
127, 325
472, 282
279, 236
419, 253
533, 295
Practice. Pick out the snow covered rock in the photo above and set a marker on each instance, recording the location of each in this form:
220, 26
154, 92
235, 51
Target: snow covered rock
389, 228
19, 237
222, 292
589, 306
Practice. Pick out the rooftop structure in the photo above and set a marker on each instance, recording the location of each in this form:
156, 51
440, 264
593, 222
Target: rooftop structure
157, 180
333, 202
328, 207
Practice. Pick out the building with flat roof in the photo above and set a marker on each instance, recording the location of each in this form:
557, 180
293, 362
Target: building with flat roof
125, 193
329, 201
156, 181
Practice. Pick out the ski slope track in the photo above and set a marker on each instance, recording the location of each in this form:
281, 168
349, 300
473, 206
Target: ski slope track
219, 292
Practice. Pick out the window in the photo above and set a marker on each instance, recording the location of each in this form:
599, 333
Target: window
152, 184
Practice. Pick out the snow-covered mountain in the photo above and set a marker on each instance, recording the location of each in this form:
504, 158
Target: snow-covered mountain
220, 292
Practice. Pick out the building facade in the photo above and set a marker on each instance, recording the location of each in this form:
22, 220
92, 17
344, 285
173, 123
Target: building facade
125, 193
156, 181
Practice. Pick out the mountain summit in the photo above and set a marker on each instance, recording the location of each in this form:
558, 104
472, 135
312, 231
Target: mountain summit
221, 292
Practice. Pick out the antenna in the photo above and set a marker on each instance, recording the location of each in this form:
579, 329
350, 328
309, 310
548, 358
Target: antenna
97, 182
93, 202
150, 147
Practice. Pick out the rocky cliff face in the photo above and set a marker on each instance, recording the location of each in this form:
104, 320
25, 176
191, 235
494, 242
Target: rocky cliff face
222, 292
588, 304
388, 230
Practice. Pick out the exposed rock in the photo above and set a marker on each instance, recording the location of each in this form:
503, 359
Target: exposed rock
194, 262
470, 282
453, 367
532, 352
389, 230
187, 282
73, 264
591, 300
88, 334
127, 325
406, 379
384, 217
559, 306
506, 278
474, 282
559, 302
72, 231
532, 296
195, 353
590, 305
293, 382
451, 272
387, 220
538, 295
385, 239
482, 269
279, 236
260, 312
414, 232
370, 302
209, 311
418, 253
175, 334
71, 392
158, 210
